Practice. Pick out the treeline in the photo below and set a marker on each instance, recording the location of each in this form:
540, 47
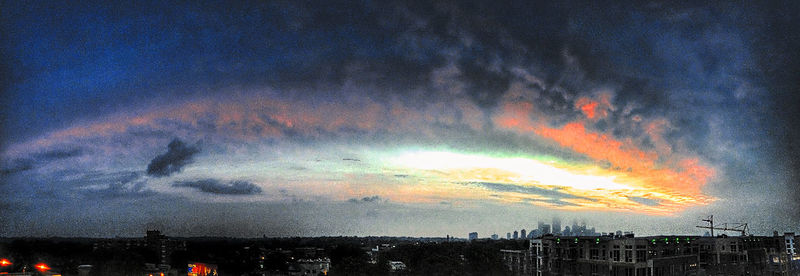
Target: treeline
236, 257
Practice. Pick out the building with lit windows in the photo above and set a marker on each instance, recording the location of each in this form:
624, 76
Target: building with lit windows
653, 256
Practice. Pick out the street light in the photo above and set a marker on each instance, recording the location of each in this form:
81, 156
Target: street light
5, 262
42, 267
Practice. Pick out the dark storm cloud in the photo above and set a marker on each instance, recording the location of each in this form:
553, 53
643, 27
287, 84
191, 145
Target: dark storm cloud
177, 156
214, 186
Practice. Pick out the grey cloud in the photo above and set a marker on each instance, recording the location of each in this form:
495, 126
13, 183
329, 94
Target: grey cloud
556, 202
35, 160
60, 153
134, 189
645, 201
553, 194
18, 165
286, 194
117, 185
366, 199
177, 156
214, 186
351, 159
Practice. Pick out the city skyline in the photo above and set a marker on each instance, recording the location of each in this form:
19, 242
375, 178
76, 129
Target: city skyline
396, 118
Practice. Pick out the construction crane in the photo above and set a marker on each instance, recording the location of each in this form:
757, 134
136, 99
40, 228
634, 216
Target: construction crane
738, 227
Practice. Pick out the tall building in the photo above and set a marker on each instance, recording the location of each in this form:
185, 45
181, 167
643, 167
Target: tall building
473, 236
522, 234
544, 228
508, 236
516, 234
534, 233
556, 225
495, 237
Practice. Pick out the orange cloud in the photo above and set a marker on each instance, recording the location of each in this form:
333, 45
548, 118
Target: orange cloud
587, 106
601, 147
595, 109
678, 183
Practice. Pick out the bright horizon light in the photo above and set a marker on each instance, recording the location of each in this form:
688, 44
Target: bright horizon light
546, 182
525, 170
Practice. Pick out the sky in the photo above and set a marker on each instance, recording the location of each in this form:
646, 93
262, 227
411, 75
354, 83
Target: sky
399, 118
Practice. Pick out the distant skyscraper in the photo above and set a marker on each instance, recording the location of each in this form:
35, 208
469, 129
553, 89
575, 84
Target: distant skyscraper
473, 236
556, 225
522, 234
495, 237
544, 228
567, 232
508, 236
516, 234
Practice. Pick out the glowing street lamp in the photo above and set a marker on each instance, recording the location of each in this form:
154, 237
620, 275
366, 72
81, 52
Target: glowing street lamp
5, 262
42, 267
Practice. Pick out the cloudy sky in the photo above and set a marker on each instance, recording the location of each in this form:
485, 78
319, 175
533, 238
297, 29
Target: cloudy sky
396, 118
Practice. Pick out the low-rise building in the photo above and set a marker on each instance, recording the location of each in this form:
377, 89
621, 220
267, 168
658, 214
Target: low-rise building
517, 261
653, 256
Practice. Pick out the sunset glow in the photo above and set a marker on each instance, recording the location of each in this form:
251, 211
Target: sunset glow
589, 187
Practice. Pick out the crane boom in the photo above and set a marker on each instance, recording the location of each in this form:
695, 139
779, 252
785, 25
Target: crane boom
738, 227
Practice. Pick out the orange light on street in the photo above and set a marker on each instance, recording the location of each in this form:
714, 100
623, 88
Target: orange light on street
5, 262
42, 267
